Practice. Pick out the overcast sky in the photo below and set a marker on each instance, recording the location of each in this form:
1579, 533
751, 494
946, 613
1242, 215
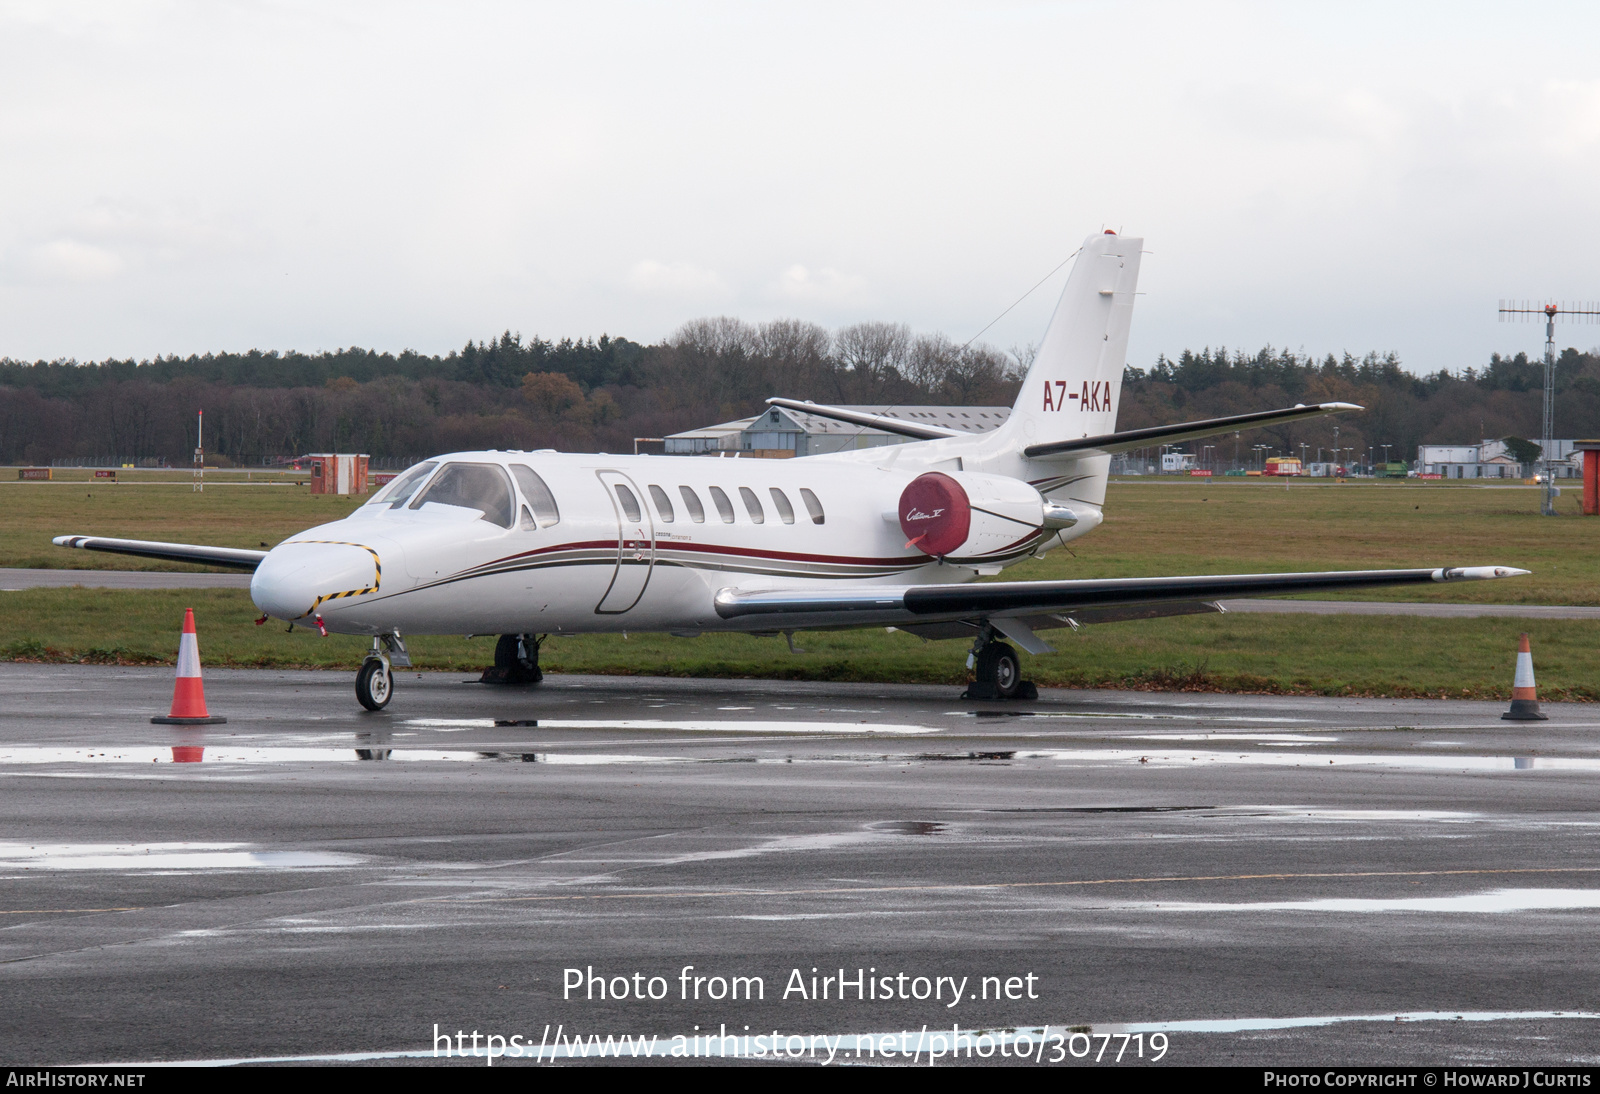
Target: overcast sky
184, 177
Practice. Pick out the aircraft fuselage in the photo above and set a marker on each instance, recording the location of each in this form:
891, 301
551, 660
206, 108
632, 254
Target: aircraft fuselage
623, 543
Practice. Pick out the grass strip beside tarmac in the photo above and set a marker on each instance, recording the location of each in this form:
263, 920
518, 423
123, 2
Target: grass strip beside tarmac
1377, 656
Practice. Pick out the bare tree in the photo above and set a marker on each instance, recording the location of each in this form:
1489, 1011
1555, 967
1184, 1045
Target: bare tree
798, 358
715, 336
876, 353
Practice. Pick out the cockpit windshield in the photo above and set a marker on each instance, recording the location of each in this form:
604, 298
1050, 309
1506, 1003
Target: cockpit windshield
481, 486
398, 492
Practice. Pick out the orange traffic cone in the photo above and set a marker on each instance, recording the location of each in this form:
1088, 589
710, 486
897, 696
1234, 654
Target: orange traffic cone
188, 693
1524, 695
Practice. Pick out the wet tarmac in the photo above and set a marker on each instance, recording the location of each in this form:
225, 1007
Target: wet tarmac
1249, 879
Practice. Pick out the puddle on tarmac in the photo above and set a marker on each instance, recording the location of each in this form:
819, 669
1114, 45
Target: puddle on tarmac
1316, 759
233, 755
1493, 902
163, 856
704, 725
968, 756
1138, 716
362, 750
909, 828
1242, 1025
1363, 816
1263, 738
1103, 809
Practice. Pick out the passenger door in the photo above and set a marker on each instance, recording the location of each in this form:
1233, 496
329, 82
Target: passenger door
636, 547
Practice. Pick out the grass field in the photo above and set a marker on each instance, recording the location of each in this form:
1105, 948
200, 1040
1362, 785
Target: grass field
1325, 655
232, 513
1152, 527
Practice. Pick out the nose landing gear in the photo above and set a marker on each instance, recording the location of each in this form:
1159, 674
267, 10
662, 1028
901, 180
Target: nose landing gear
375, 681
516, 661
997, 670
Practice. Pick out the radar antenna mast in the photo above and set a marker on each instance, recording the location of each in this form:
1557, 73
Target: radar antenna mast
1547, 437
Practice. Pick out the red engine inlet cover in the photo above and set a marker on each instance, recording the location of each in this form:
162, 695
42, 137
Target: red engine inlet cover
935, 514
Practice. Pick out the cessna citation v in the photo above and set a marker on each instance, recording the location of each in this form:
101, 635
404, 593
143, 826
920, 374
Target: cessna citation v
529, 544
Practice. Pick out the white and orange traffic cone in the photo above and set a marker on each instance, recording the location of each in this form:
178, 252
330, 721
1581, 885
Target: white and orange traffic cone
1524, 695
188, 692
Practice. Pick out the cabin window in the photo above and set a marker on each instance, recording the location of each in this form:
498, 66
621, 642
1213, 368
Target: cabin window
398, 492
785, 510
724, 506
752, 505
630, 504
813, 506
691, 502
663, 504
538, 494
481, 486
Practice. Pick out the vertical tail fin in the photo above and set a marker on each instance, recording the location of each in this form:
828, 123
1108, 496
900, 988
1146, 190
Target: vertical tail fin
1074, 385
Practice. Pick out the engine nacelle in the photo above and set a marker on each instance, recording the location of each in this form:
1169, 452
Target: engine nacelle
977, 519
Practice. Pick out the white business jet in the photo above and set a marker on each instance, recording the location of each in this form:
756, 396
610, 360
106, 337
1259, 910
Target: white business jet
529, 544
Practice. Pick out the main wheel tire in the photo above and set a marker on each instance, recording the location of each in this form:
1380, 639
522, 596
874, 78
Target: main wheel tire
999, 668
374, 684
505, 652
512, 666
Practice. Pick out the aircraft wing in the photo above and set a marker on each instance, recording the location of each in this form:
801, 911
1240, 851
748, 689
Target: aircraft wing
1108, 444
1025, 602
232, 557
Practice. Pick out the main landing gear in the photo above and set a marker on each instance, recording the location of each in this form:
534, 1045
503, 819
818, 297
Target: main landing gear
997, 670
516, 661
375, 681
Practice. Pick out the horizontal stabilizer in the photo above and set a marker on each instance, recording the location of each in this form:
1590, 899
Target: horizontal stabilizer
871, 421
232, 557
1108, 444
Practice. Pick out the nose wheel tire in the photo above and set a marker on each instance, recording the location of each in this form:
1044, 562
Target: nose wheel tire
374, 684
999, 668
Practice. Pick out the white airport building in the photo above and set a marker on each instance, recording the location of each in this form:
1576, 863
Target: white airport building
1490, 460
781, 433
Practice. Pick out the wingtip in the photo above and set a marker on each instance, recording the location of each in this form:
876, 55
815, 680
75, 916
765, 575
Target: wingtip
1477, 573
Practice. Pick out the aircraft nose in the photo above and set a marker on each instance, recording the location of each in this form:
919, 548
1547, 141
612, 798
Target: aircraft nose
298, 577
